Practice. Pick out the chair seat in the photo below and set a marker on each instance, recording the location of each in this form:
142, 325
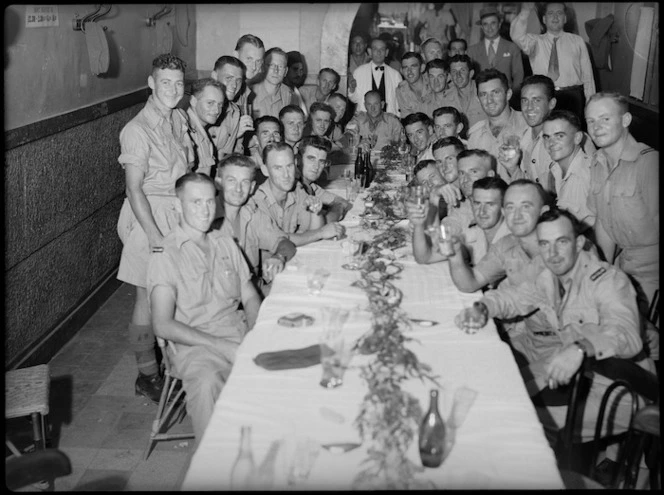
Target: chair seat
26, 391
647, 420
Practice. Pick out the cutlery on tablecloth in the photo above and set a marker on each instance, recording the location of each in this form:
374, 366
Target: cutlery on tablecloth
340, 448
423, 323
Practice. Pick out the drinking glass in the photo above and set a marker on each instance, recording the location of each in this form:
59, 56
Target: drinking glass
445, 241
303, 452
352, 189
511, 144
316, 278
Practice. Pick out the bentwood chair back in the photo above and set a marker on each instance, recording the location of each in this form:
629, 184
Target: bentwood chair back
626, 374
171, 403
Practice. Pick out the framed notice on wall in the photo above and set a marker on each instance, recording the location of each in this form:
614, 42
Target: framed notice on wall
41, 16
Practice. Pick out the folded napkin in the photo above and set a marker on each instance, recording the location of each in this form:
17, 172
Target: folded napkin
289, 358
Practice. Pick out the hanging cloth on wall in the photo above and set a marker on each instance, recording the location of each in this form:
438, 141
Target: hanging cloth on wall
98, 53
164, 37
641, 53
600, 40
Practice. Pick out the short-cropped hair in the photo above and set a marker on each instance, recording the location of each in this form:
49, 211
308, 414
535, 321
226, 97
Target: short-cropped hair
422, 164
567, 116
544, 196
437, 63
412, 55
549, 87
489, 75
237, 160
318, 142
267, 118
448, 141
491, 183
290, 109
554, 213
199, 86
414, 118
271, 52
318, 106
431, 40
461, 58
229, 60
191, 177
338, 95
168, 61
331, 71
460, 40
448, 111
251, 39
620, 100
485, 155
274, 147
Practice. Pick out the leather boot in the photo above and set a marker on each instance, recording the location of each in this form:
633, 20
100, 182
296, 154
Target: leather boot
149, 386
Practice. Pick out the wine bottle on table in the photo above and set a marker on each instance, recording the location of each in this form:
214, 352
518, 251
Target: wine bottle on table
432, 434
359, 160
244, 468
369, 171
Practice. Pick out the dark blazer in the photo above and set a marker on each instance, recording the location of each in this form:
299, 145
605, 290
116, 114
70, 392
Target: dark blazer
508, 60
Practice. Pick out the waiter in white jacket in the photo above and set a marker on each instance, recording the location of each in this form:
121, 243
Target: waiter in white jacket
375, 75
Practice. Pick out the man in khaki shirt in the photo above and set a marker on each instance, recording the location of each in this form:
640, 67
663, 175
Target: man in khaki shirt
413, 91
462, 94
589, 308
195, 287
386, 127
625, 195
205, 104
271, 93
264, 245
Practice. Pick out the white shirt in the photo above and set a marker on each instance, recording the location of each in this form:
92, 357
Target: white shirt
363, 76
573, 59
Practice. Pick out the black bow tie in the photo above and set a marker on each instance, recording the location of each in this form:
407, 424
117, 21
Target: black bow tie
382, 67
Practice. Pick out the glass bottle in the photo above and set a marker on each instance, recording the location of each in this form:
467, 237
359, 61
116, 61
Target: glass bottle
244, 467
359, 165
432, 434
368, 169
265, 473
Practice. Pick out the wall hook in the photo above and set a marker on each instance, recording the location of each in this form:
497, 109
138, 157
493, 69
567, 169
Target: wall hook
78, 24
152, 21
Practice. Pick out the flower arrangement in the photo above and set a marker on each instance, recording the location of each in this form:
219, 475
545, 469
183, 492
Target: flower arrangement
389, 417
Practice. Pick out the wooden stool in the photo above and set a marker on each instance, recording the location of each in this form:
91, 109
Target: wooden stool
26, 394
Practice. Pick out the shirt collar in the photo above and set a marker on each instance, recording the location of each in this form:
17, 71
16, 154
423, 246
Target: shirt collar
566, 279
180, 236
373, 66
195, 123
153, 115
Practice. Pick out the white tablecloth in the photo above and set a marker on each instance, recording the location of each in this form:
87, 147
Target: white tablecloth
501, 445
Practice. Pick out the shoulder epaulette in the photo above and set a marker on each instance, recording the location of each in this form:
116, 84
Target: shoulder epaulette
158, 249
647, 150
598, 273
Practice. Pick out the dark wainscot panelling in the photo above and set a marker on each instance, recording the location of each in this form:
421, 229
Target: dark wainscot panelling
63, 191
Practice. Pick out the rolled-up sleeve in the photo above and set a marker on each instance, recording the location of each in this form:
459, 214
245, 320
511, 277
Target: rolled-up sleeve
134, 147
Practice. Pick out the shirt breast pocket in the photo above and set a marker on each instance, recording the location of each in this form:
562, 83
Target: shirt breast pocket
578, 316
229, 280
196, 286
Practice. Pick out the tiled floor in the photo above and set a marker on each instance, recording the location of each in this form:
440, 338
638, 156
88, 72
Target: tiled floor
96, 418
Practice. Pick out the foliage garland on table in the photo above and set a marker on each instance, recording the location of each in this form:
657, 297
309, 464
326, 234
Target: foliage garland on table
389, 417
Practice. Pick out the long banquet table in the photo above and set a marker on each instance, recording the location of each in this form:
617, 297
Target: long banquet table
501, 444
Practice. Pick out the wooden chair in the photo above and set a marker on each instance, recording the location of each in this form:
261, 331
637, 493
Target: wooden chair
171, 403
27, 394
625, 374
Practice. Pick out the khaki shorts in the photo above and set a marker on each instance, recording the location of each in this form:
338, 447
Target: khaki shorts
135, 252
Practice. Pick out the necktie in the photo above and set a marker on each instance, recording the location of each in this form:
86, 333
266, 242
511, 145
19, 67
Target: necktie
550, 185
561, 290
553, 61
492, 54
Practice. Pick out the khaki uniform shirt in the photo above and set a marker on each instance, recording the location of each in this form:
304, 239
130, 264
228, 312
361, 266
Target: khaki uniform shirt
599, 304
476, 242
480, 136
226, 134
266, 104
626, 201
203, 147
435, 101
293, 218
410, 102
161, 151
255, 233
573, 188
325, 196
386, 129
466, 101
207, 289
